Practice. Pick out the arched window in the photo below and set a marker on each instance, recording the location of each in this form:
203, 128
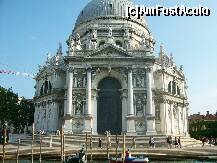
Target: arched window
119, 43
41, 90
46, 87
178, 90
174, 88
101, 43
169, 87
50, 86
110, 9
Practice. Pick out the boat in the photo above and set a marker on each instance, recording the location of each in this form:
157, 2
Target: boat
129, 160
78, 158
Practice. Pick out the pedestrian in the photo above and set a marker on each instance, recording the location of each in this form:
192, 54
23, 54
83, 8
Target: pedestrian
151, 142
203, 141
169, 142
134, 143
179, 142
118, 144
100, 143
176, 142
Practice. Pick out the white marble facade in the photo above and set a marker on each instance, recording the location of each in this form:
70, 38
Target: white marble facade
105, 44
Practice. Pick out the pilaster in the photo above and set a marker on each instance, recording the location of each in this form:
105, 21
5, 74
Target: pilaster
150, 112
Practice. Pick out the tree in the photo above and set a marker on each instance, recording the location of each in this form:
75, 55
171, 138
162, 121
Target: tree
16, 112
8, 104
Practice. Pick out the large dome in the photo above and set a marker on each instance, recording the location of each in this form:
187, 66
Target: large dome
105, 8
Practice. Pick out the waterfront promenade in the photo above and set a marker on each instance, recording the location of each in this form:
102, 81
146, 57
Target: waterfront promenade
157, 153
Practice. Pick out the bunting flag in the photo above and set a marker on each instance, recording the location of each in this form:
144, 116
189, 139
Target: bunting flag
9, 72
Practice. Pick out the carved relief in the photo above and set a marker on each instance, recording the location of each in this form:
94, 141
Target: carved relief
169, 113
79, 79
139, 103
140, 125
157, 111
77, 124
181, 114
79, 103
175, 112
139, 78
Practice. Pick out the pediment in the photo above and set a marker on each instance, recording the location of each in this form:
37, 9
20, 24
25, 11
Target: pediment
110, 51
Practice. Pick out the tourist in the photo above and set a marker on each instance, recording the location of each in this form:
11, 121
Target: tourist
109, 142
58, 132
117, 143
211, 141
176, 142
151, 142
179, 142
134, 143
127, 154
203, 141
100, 143
169, 142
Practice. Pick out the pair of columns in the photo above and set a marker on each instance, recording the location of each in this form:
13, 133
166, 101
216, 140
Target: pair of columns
68, 111
150, 112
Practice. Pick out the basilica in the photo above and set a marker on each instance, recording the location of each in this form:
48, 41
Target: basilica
110, 78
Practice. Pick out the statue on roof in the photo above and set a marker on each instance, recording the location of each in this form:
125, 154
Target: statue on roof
110, 31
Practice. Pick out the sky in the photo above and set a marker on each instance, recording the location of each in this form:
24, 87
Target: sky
29, 29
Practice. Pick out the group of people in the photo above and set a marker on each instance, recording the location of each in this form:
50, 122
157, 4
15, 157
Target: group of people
176, 142
211, 141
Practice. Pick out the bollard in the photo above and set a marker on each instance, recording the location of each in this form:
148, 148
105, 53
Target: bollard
108, 143
4, 143
123, 146
91, 156
18, 150
61, 142
40, 157
86, 146
51, 141
33, 132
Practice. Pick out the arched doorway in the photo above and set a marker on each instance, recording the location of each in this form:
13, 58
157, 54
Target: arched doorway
109, 106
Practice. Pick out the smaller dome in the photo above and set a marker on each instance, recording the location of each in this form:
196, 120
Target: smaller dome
105, 8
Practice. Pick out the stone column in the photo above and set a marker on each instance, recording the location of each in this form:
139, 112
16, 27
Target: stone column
67, 115
171, 118
179, 119
69, 94
130, 117
130, 93
88, 116
150, 111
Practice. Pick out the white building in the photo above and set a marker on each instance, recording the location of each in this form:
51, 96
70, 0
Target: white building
110, 79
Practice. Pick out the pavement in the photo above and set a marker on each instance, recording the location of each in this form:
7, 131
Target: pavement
161, 153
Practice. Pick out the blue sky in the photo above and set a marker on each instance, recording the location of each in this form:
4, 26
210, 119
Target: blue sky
29, 29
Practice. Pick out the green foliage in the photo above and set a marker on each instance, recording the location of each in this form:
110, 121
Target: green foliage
201, 129
19, 113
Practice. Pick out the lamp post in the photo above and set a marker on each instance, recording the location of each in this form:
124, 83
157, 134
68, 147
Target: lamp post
33, 137
18, 150
4, 142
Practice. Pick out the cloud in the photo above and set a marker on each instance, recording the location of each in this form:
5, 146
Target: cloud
32, 37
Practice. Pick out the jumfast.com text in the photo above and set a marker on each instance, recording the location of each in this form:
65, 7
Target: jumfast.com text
158, 10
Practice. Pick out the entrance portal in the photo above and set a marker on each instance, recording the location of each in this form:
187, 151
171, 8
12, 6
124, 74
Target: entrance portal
109, 106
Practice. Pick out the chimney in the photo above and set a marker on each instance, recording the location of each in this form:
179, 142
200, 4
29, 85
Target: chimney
207, 112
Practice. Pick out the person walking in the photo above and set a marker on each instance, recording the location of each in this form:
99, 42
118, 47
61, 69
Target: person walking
179, 142
134, 143
203, 141
176, 142
169, 142
151, 142
100, 143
